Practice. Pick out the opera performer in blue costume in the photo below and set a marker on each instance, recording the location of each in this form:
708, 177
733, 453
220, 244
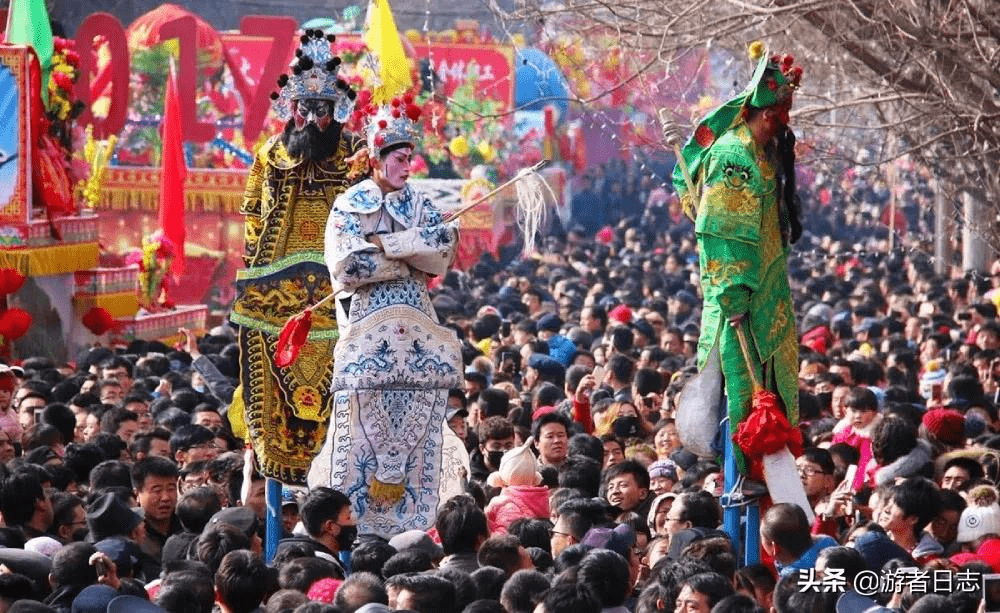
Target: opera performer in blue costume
388, 447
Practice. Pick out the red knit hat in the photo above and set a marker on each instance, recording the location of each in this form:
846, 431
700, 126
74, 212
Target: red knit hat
947, 425
324, 590
621, 314
964, 558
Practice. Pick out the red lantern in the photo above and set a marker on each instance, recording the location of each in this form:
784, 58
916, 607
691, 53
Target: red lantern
14, 323
10, 281
98, 320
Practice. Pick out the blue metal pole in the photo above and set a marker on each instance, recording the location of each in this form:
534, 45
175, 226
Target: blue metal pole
272, 519
730, 514
752, 553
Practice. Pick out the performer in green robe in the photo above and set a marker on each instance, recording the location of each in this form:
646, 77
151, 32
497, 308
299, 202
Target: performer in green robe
741, 163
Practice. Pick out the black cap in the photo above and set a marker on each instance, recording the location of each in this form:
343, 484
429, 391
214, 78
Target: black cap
546, 366
126, 603
644, 328
109, 516
550, 322
243, 518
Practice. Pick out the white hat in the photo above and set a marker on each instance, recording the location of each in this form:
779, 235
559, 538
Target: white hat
653, 508
517, 467
981, 517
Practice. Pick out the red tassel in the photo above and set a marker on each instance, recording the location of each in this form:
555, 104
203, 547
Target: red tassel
293, 335
766, 430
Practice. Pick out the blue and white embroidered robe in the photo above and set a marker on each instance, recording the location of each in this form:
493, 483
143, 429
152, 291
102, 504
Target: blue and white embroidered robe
393, 363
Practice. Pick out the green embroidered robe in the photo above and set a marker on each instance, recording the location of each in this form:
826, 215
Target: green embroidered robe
743, 270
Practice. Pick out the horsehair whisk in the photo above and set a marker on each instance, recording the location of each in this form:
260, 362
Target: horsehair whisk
532, 205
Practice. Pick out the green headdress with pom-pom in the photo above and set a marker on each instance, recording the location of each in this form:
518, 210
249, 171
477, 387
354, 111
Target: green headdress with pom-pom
774, 80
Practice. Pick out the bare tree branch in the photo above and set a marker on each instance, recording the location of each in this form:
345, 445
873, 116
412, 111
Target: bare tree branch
921, 75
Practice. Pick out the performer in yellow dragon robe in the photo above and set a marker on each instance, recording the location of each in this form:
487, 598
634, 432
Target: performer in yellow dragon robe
295, 178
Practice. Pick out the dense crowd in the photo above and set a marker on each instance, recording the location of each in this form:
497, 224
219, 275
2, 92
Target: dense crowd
124, 489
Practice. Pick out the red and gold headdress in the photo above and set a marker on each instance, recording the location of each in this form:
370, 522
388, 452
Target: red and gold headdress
774, 80
390, 124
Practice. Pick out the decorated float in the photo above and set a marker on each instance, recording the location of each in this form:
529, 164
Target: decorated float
57, 296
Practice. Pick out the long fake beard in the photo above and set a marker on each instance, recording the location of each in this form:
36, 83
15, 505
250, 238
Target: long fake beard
311, 143
786, 185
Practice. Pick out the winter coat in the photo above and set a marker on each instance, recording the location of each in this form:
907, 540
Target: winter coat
906, 466
517, 502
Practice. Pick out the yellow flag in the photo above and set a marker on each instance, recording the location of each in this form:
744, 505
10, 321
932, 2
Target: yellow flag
392, 68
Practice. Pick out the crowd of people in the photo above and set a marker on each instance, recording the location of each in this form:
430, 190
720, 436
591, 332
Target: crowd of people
124, 489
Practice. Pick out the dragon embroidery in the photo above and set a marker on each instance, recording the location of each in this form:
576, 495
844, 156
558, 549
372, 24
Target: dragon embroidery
380, 360
421, 360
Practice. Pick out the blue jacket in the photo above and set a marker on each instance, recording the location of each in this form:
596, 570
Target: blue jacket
808, 559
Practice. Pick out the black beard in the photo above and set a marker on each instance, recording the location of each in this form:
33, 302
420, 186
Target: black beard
311, 144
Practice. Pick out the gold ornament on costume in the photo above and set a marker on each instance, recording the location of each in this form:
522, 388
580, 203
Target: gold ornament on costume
384, 495
309, 402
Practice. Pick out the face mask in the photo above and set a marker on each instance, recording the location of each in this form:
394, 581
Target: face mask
825, 400
493, 458
345, 540
198, 388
